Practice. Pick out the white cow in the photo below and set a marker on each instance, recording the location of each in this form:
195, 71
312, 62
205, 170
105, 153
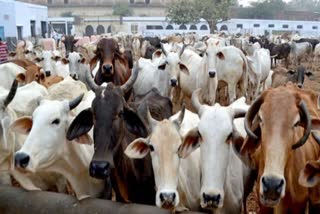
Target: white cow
151, 76
11, 142
223, 175
300, 50
77, 66
177, 180
8, 73
228, 64
259, 68
51, 64
46, 148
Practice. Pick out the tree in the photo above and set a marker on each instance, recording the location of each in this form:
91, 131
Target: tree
121, 10
190, 11
262, 10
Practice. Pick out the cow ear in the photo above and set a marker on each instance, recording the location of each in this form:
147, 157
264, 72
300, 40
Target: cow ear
190, 143
184, 69
220, 55
156, 54
162, 67
65, 61
56, 58
82, 60
21, 77
12, 54
81, 125
134, 123
22, 125
75, 41
310, 175
138, 149
84, 139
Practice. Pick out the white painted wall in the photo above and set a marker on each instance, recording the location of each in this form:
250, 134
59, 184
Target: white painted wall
7, 17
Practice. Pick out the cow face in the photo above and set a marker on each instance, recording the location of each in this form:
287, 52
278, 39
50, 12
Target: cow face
298, 76
69, 43
164, 155
173, 65
46, 132
33, 73
274, 130
107, 50
74, 60
48, 62
212, 55
213, 136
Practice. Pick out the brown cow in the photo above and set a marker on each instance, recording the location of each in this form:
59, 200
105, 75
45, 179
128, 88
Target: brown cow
113, 64
278, 146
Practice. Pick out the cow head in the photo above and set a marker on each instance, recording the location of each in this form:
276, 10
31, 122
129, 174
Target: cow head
69, 42
48, 61
164, 155
33, 73
107, 51
213, 135
277, 123
212, 54
46, 131
74, 60
109, 114
173, 64
298, 76
7, 145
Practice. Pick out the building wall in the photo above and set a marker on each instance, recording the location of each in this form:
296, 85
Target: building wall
7, 17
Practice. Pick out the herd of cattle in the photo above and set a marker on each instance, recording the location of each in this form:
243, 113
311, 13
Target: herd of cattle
108, 117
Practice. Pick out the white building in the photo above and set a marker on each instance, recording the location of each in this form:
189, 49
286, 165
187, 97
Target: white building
261, 26
22, 20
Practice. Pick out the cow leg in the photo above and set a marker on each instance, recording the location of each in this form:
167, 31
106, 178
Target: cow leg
232, 92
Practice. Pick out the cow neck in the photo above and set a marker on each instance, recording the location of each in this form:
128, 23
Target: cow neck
74, 165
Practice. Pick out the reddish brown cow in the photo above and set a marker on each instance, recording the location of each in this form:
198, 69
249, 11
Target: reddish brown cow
278, 146
113, 65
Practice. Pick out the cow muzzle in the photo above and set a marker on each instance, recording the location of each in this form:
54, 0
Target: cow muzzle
48, 73
174, 82
74, 76
21, 160
212, 74
211, 201
272, 190
107, 69
168, 200
100, 169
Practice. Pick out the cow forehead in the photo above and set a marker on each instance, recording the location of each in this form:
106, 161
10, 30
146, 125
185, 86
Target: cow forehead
173, 58
74, 56
49, 109
165, 136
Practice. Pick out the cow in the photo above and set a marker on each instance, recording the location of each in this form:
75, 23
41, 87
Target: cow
115, 126
223, 175
227, 64
281, 51
48, 61
316, 56
69, 43
259, 68
47, 44
150, 76
11, 142
46, 148
113, 67
278, 146
24, 50
32, 71
299, 51
177, 180
281, 76
313, 42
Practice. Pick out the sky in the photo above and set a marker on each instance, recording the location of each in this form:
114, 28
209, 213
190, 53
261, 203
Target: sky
246, 3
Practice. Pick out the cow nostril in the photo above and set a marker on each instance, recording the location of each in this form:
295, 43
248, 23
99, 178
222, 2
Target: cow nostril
48, 73
22, 160
212, 74
99, 169
173, 82
280, 185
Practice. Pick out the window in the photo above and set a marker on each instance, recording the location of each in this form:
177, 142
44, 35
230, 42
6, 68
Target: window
154, 27
256, 25
66, 1
33, 28
147, 1
271, 25
285, 26
20, 35
314, 27
169, 27
239, 26
183, 27
49, 1
193, 27
100, 30
223, 27
89, 30
299, 26
203, 27
134, 28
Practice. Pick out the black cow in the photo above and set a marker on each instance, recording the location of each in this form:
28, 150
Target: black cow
313, 42
278, 51
69, 42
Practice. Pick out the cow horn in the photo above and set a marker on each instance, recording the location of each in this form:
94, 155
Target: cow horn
75, 102
128, 85
93, 86
163, 50
182, 50
179, 120
253, 110
152, 122
11, 94
307, 129
195, 100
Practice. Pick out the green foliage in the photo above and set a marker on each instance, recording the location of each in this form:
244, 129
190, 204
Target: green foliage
306, 5
262, 10
190, 11
120, 9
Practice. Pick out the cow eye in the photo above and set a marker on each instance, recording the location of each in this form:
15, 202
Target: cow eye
151, 148
229, 137
56, 122
297, 124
